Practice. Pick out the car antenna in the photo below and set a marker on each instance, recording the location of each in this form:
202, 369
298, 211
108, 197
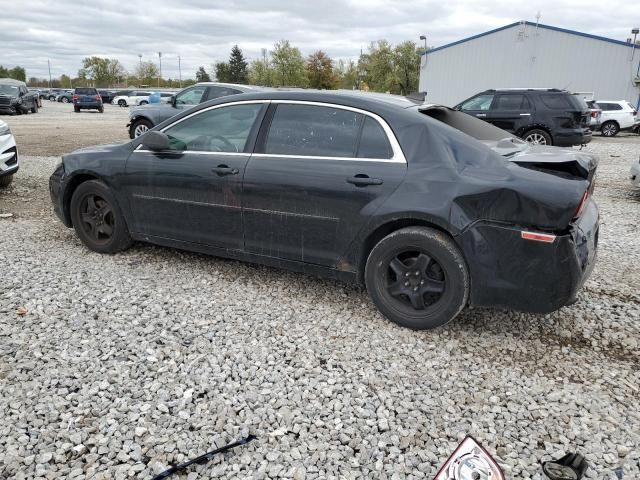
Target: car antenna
203, 458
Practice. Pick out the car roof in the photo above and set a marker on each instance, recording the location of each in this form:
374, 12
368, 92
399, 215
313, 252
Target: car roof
12, 81
233, 85
524, 89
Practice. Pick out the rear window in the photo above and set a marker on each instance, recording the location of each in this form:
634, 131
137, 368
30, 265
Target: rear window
86, 91
511, 102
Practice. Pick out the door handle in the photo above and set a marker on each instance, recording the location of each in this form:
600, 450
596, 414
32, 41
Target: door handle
481, 114
222, 170
525, 114
362, 180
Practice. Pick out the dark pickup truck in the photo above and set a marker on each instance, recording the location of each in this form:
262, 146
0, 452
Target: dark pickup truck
15, 98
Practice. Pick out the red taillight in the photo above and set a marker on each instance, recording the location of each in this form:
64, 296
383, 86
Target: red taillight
98, 97
538, 237
595, 114
75, 97
582, 204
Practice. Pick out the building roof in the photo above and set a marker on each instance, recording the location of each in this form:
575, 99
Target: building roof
533, 24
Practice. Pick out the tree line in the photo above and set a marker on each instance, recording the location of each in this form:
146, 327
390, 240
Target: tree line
383, 67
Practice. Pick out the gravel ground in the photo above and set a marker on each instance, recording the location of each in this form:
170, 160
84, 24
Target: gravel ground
124, 364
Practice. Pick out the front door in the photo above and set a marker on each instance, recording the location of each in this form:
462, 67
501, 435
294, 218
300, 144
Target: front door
192, 192
478, 106
317, 175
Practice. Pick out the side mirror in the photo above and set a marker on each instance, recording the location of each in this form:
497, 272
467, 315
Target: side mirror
156, 141
172, 100
458, 108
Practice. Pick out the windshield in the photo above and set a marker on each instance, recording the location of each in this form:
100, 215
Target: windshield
9, 90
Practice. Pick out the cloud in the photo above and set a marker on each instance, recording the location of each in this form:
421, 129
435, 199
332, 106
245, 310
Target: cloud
202, 32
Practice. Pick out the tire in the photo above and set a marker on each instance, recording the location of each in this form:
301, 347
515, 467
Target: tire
144, 102
101, 109
52, 98
97, 218
6, 181
122, 103
64, 100
139, 127
34, 109
610, 128
418, 278
537, 137
76, 109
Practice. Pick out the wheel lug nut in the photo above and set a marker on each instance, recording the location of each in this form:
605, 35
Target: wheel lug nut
415, 289
406, 284
421, 282
416, 273
406, 274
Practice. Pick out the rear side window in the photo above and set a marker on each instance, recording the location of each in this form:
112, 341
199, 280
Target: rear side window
512, 101
217, 92
373, 141
86, 91
308, 130
610, 106
556, 101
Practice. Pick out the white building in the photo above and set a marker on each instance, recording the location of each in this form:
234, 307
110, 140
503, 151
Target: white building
525, 54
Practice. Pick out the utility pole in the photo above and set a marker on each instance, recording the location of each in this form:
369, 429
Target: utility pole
49, 64
140, 57
160, 60
179, 71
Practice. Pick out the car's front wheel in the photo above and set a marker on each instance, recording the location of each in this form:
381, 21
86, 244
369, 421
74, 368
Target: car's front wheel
5, 181
97, 219
140, 127
610, 128
122, 103
34, 109
144, 102
418, 278
65, 100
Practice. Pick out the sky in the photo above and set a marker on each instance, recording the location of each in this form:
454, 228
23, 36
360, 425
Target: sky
202, 32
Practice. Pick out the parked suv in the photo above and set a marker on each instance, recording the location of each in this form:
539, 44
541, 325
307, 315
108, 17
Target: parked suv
540, 116
15, 98
616, 115
87, 98
8, 155
130, 97
145, 117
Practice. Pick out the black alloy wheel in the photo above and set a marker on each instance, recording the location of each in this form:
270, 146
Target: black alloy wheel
97, 219
417, 277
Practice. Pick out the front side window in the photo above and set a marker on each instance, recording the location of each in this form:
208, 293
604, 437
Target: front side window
224, 129
217, 92
309, 130
192, 96
481, 102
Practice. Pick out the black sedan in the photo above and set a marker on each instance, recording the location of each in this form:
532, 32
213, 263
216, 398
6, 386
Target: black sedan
361, 188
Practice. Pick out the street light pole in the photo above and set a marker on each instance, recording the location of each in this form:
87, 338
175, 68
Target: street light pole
422, 37
160, 60
179, 71
49, 65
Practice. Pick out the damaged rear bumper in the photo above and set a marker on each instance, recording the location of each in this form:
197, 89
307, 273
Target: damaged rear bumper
518, 274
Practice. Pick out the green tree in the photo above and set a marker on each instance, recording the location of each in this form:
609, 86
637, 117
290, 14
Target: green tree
347, 73
65, 81
320, 71
238, 72
406, 61
376, 66
147, 72
223, 72
17, 73
202, 75
288, 65
102, 72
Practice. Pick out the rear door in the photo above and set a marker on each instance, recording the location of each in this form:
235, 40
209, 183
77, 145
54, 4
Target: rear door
192, 191
319, 171
510, 111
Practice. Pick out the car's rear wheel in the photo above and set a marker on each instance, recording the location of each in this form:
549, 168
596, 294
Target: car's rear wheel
610, 128
537, 137
65, 100
122, 103
52, 98
140, 127
6, 181
97, 219
144, 102
418, 278
34, 109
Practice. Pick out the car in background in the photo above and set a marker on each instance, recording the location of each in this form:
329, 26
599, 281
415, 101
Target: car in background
541, 116
65, 97
617, 115
87, 98
53, 93
124, 99
8, 155
107, 95
164, 97
38, 95
595, 115
146, 117
351, 187
15, 98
